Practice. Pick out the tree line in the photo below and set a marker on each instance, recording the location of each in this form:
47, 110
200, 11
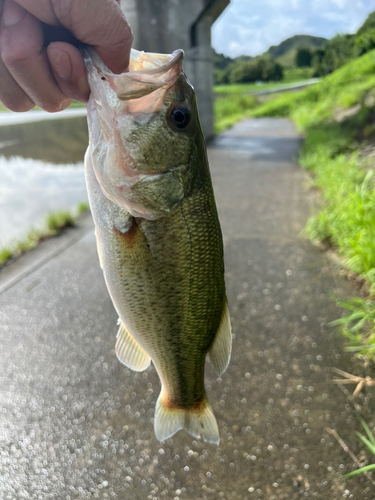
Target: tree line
246, 69
336, 52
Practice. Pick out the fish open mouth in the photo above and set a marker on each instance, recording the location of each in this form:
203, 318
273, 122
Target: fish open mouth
147, 73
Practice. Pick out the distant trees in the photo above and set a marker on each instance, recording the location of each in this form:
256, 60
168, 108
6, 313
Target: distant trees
364, 42
248, 71
303, 57
337, 52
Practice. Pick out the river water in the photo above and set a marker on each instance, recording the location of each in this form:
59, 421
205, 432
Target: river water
41, 170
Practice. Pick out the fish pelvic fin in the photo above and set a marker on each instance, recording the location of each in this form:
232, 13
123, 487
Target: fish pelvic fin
198, 420
221, 347
129, 352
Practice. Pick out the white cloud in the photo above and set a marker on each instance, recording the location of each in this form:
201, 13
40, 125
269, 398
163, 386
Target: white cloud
340, 3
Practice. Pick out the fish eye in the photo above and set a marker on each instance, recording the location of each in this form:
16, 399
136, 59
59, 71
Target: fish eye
180, 117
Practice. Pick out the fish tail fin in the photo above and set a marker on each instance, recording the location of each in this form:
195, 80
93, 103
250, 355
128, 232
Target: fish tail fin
198, 420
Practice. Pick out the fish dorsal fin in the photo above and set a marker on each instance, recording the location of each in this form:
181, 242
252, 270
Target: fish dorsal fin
129, 352
219, 352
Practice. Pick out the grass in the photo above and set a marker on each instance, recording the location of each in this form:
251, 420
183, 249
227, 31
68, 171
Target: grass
291, 75
235, 102
55, 223
337, 118
297, 74
369, 442
245, 88
230, 109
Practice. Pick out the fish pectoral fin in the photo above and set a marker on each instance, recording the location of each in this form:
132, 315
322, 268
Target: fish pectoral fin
129, 352
198, 420
220, 350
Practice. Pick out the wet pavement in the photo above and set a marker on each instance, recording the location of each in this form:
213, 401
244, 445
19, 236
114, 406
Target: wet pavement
76, 424
41, 169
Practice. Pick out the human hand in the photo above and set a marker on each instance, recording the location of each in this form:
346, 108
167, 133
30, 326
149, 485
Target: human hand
50, 77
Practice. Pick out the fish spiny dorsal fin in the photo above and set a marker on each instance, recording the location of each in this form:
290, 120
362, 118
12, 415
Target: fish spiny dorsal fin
220, 350
198, 420
129, 352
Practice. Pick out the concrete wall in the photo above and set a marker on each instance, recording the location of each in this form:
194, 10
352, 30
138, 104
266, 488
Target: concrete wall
166, 25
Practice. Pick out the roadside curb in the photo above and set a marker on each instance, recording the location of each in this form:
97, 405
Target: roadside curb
44, 252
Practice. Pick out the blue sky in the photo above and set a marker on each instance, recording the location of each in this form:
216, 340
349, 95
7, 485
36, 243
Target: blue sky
251, 27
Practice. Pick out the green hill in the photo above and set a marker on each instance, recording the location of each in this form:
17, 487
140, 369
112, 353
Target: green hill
285, 52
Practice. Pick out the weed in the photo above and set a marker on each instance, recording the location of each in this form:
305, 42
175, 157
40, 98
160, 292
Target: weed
369, 442
230, 109
82, 207
358, 326
55, 221
5, 254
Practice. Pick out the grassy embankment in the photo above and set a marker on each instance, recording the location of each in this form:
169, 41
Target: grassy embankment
337, 119
55, 223
234, 102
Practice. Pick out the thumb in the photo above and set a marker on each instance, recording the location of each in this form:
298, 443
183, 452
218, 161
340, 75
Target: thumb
100, 23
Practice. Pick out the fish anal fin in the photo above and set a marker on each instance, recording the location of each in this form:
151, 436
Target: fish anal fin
220, 350
198, 420
129, 352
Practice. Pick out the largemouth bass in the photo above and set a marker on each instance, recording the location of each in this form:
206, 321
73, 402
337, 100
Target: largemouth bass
158, 234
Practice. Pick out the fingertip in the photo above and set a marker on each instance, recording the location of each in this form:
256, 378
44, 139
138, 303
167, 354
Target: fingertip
60, 61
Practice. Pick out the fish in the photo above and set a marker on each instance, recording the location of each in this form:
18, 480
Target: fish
158, 234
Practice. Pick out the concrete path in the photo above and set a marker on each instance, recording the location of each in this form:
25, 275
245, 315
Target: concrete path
76, 424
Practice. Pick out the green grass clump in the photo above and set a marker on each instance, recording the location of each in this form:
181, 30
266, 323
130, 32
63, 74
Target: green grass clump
244, 88
82, 207
342, 89
55, 221
358, 327
230, 109
297, 74
32, 239
5, 254
369, 442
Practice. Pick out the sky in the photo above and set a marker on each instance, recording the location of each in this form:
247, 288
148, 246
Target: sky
251, 26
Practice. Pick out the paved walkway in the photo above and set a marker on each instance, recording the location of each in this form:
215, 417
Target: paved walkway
75, 424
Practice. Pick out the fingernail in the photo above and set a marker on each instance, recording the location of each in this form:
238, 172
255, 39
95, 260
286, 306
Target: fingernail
12, 13
60, 62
